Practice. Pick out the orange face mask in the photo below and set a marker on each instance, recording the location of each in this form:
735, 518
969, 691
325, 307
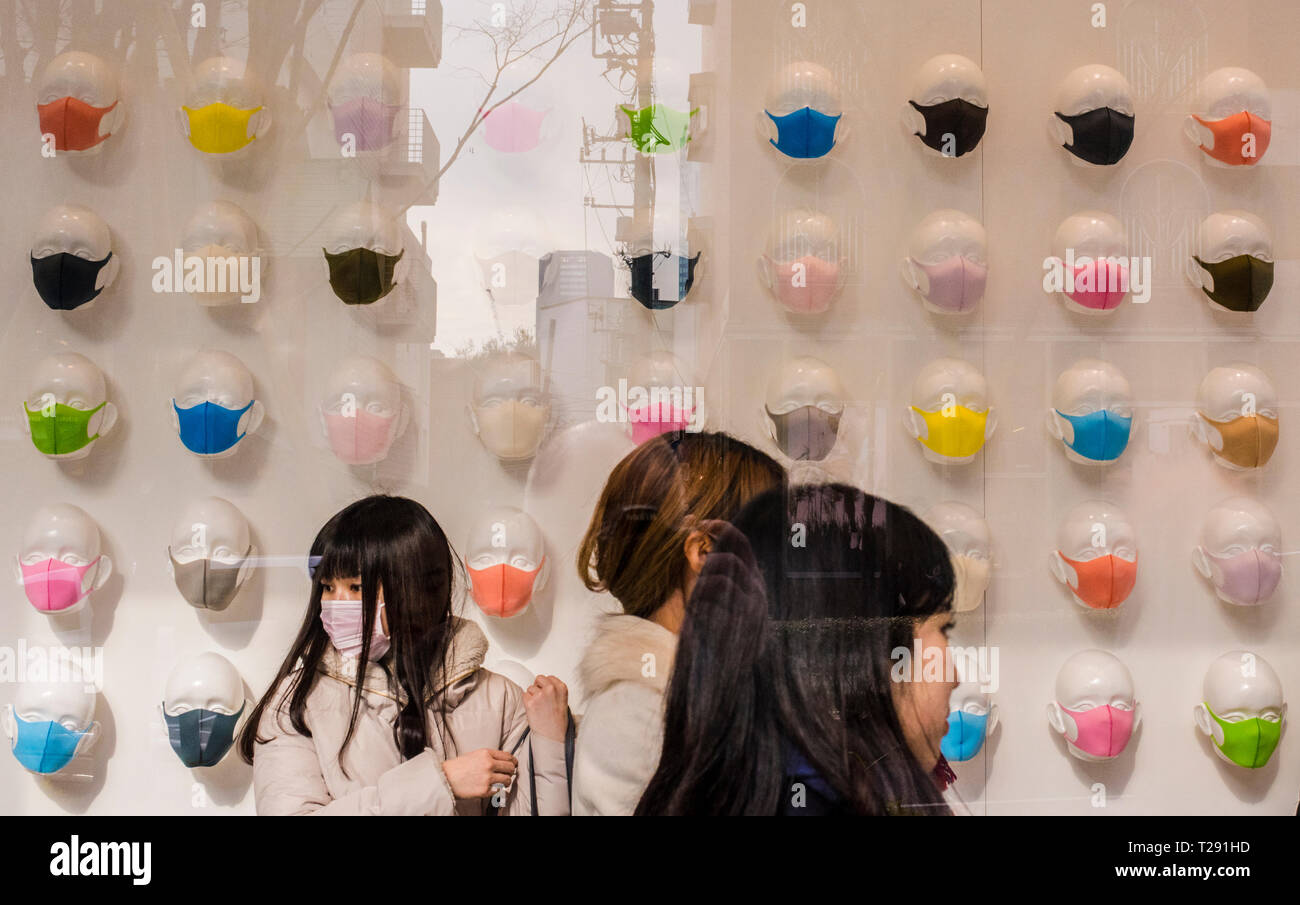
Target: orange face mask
1248, 440
73, 123
502, 590
1104, 582
1230, 142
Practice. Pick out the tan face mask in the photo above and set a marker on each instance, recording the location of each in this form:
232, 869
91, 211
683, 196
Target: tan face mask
972, 574
511, 429
1248, 440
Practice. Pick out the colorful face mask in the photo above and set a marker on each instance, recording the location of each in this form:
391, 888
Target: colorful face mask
513, 128
1231, 142
53, 585
511, 429
1100, 284
208, 428
649, 421
953, 128
201, 738
1099, 436
965, 736
662, 279
1248, 743
806, 432
807, 284
208, 584
1249, 577
44, 746
361, 438
343, 622
1248, 440
73, 123
956, 283
957, 435
658, 129
360, 276
368, 121
805, 134
1241, 283
972, 574
1103, 731
219, 128
1101, 136
61, 430
1102, 583
503, 590
66, 281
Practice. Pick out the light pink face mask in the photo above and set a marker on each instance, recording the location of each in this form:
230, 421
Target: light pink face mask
513, 128
956, 283
649, 421
806, 284
343, 621
362, 438
53, 585
1249, 577
1103, 731
1104, 284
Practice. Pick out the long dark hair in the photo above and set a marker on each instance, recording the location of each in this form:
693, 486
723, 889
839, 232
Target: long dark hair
393, 543
786, 649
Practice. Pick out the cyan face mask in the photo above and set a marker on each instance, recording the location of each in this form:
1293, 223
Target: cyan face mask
1100, 436
44, 746
208, 428
965, 735
201, 738
805, 134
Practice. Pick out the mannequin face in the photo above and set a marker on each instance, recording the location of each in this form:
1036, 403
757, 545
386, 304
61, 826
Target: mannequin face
1095, 707
948, 105
1234, 261
506, 559
362, 413
1096, 555
77, 100
50, 723
1092, 412
662, 397
1237, 416
1094, 116
363, 253
802, 117
969, 541
210, 553
947, 262
1242, 710
71, 257
1090, 259
226, 110
66, 410
60, 563
203, 702
804, 404
213, 407
1240, 551
950, 414
661, 264
510, 410
972, 717
221, 230
804, 265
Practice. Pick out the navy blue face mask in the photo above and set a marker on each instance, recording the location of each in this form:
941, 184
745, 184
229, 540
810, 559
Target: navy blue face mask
958, 118
66, 281
661, 279
201, 738
804, 134
1101, 136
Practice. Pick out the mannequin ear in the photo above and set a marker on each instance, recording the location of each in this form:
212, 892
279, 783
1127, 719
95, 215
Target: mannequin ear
1199, 276
1058, 427
915, 424
260, 122
992, 721
912, 275
172, 416
543, 573
320, 417
1137, 715
401, 267
913, 121
769, 426
403, 419
1059, 131
87, 741
107, 418
990, 423
473, 420
162, 717
109, 272
1203, 721
764, 127
253, 418
1208, 434
1281, 714
7, 720
1196, 133
25, 424
1060, 568
245, 567
103, 572
183, 119
766, 274
171, 569
1201, 560
1055, 718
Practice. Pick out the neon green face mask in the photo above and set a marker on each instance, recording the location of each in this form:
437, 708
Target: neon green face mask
958, 434
61, 430
658, 129
1248, 743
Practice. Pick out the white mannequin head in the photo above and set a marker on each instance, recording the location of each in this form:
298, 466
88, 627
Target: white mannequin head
1222, 97
1237, 412
802, 408
1242, 690
510, 408
1081, 241
239, 122
804, 263
365, 225
1224, 235
1086, 388
370, 75
78, 231
1240, 552
364, 100
216, 230
210, 684
972, 718
970, 543
68, 702
940, 79
209, 541
84, 77
1085, 89
662, 396
947, 262
809, 136
950, 412
61, 563
1096, 555
505, 556
362, 413
1096, 681
69, 379
219, 378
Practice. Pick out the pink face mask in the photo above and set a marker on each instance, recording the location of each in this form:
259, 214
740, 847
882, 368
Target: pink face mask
649, 421
513, 128
361, 438
1100, 284
52, 585
806, 284
369, 121
956, 283
342, 620
1248, 577
1103, 731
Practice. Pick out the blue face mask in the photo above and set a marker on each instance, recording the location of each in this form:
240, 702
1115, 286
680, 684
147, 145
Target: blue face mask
1100, 436
208, 428
806, 133
44, 746
201, 738
965, 735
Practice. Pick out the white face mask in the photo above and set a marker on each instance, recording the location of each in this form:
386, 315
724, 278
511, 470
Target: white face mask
972, 573
511, 429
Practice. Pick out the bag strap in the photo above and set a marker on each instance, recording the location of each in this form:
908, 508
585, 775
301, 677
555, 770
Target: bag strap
570, 742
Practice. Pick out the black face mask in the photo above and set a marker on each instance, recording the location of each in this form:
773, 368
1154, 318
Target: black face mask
360, 276
1241, 283
661, 279
66, 281
959, 118
806, 433
1101, 136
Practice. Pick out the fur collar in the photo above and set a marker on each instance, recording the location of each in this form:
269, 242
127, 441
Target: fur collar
615, 654
468, 648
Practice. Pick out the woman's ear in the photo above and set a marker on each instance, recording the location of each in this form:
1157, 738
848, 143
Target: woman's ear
697, 547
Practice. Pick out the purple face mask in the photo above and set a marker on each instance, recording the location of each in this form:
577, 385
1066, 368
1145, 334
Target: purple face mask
1249, 577
956, 283
369, 121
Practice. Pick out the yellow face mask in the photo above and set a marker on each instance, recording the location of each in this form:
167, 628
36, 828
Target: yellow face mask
957, 434
219, 128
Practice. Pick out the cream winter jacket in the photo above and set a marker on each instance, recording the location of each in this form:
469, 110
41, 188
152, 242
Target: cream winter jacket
624, 672
294, 774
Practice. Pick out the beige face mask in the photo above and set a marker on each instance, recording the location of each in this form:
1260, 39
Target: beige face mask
972, 575
511, 429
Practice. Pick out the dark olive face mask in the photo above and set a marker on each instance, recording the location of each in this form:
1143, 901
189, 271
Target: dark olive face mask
1241, 283
360, 276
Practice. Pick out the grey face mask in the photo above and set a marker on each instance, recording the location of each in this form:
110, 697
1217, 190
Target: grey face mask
806, 433
207, 584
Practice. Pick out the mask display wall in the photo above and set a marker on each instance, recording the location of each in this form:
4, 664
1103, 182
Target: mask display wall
1242, 709
1089, 268
803, 408
970, 545
210, 554
51, 727
972, 718
949, 105
1096, 555
202, 707
1095, 708
510, 408
1240, 552
364, 100
225, 239
1233, 119
67, 410
505, 556
1094, 116
362, 413
213, 408
1237, 416
1092, 412
803, 116
947, 262
61, 562
72, 257
78, 103
363, 253
662, 397
225, 111
804, 264
1233, 265
950, 414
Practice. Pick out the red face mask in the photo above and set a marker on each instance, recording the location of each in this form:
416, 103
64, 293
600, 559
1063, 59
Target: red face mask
1104, 582
503, 590
73, 123
1230, 138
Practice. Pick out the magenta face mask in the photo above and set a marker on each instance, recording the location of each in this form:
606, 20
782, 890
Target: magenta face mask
52, 585
1103, 731
361, 438
370, 122
956, 283
1100, 285
1249, 577
343, 620
649, 421
513, 128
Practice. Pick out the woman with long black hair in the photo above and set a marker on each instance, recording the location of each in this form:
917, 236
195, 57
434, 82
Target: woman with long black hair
422, 728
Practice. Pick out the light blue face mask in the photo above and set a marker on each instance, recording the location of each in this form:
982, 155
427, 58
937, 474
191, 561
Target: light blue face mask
1100, 436
965, 735
208, 428
44, 746
806, 133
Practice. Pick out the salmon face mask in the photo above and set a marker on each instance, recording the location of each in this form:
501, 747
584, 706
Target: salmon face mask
73, 123
1102, 583
503, 590
1239, 140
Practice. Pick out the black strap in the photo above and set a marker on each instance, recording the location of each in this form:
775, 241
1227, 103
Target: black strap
570, 741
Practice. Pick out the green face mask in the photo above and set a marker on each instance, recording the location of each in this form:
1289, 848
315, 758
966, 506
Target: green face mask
1248, 743
1241, 283
61, 430
657, 129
